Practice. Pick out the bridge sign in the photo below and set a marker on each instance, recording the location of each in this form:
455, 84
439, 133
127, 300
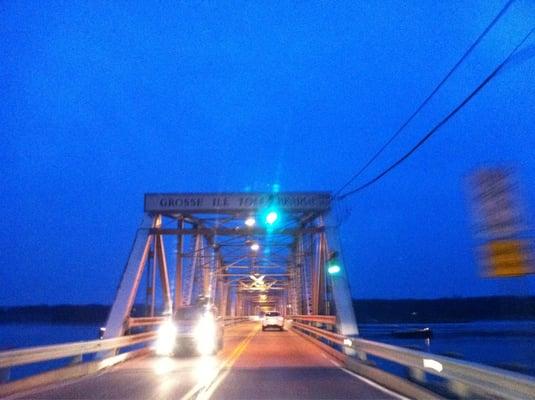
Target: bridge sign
235, 202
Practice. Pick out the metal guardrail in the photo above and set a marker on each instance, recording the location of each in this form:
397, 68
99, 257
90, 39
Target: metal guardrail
75, 369
468, 379
330, 336
145, 321
155, 321
12, 358
234, 320
322, 319
464, 379
75, 350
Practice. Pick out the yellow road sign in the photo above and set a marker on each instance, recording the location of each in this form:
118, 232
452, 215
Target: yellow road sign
507, 258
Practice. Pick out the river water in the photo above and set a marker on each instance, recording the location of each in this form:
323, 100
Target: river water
13, 336
502, 344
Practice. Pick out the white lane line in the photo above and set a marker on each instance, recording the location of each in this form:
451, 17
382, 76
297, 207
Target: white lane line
333, 362
366, 380
372, 383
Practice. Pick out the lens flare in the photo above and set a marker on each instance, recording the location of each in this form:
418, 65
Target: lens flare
165, 343
205, 335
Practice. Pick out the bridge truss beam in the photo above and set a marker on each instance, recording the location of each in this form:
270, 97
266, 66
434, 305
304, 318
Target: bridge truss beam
221, 265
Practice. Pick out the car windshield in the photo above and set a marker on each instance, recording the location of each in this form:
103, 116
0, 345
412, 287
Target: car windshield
272, 314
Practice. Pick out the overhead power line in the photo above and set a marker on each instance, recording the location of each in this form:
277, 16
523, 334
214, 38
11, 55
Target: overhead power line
428, 98
442, 122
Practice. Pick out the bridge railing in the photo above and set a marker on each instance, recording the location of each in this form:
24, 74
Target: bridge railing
234, 320
144, 321
31, 355
463, 379
322, 319
156, 321
74, 350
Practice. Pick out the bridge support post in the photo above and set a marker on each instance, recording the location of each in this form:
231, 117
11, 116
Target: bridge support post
164, 274
76, 359
126, 292
459, 388
346, 322
417, 375
179, 264
206, 268
152, 277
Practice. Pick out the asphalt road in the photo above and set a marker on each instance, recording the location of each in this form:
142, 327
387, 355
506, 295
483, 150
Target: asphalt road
253, 365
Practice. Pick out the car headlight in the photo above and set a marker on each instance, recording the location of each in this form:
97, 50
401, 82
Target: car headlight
165, 343
205, 334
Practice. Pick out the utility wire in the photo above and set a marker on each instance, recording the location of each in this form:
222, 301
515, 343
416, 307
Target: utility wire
442, 122
426, 100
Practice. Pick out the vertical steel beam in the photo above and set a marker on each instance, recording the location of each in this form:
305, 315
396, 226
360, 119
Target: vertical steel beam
232, 301
214, 268
179, 264
224, 299
218, 282
126, 292
316, 277
218, 298
298, 290
148, 290
153, 277
292, 290
304, 272
206, 270
164, 274
239, 304
345, 316
323, 258
193, 269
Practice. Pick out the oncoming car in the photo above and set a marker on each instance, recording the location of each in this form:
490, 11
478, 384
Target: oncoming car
273, 319
191, 329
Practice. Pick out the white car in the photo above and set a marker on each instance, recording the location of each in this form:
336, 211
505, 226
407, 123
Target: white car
273, 319
193, 329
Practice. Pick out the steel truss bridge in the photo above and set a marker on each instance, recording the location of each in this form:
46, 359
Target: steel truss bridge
246, 254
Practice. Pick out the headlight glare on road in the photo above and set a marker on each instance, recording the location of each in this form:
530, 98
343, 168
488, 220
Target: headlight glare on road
165, 342
205, 335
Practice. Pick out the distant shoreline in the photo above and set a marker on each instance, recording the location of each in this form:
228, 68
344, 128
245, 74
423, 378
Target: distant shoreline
490, 308
495, 308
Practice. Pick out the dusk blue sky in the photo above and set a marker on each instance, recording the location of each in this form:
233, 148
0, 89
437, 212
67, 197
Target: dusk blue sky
104, 101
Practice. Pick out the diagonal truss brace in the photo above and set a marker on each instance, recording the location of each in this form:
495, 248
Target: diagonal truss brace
132, 274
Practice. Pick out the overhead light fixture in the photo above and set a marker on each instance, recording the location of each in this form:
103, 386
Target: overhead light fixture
255, 247
250, 222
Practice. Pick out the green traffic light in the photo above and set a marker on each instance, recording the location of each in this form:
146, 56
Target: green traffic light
272, 217
333, 269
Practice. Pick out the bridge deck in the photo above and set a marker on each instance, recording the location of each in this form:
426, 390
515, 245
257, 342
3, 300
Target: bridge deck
253, 365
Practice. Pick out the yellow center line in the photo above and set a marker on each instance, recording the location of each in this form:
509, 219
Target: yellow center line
205, 390
211, 388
